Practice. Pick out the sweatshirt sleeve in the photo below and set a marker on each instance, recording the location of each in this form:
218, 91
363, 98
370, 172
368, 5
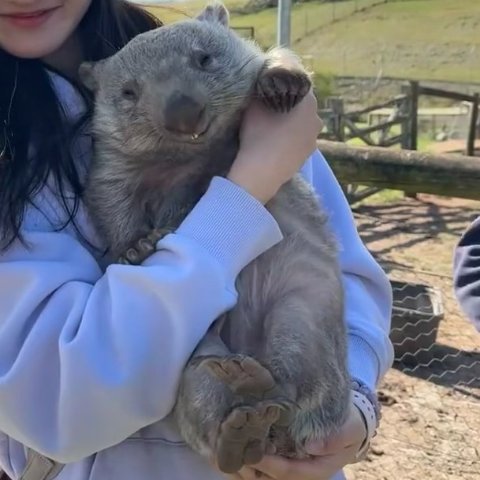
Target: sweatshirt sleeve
466, 273
86, 358
368, 294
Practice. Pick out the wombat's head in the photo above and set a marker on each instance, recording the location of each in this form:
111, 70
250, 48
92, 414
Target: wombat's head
185, 82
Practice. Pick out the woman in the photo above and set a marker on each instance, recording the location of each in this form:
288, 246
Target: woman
466, 272
91, 355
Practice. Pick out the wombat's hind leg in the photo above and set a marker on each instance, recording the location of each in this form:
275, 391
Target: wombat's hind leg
243, 374
243, 438
281, 88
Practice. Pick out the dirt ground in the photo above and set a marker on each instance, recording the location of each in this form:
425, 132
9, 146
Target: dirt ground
431, 402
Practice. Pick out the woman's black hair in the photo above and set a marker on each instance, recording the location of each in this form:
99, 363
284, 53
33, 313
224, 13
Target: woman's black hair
35, 139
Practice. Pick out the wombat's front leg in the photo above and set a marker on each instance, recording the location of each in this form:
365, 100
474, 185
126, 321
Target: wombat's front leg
283, 82
146, 245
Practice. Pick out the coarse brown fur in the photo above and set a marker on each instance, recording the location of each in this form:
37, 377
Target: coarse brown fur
271, 373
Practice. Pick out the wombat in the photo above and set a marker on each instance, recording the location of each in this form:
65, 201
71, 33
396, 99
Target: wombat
271, 373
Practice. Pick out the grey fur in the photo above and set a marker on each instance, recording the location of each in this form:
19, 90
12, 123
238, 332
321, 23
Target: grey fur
289, 315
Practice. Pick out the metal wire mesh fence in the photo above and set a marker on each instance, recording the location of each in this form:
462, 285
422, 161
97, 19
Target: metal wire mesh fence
431, 397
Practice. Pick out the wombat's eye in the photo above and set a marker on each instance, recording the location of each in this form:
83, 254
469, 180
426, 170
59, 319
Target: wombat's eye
129, 91
202, 59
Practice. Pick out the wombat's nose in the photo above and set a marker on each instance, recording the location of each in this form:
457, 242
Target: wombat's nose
183, 113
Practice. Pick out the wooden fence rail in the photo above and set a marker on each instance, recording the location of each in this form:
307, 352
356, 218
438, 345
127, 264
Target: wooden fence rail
356, 114
343, 126
406, 170
415, 90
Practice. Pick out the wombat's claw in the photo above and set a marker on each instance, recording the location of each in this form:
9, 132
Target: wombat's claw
281, 89
243, 374
287, 410
243, 438
137, 254
143, 248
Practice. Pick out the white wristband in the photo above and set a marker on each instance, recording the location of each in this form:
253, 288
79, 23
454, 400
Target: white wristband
366, 409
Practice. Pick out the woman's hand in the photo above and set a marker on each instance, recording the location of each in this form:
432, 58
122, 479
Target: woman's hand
274, 146
329, 457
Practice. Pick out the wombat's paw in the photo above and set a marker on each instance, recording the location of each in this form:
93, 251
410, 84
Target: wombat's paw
137, 254
243, 438
143, 248
243, 374
281, 88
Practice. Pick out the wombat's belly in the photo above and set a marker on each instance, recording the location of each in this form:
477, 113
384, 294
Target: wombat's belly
288, 274
302, 270
289, 317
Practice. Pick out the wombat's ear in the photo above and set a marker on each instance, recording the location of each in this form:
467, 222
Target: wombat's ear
215, 12
88, 74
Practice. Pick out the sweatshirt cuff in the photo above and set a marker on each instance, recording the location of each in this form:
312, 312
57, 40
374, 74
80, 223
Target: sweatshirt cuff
363, 363
233, 226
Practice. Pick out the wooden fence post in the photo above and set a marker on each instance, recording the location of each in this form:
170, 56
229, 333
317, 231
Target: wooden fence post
410, 111
405, 114
472, 134
414, 89
336, 106
410, 137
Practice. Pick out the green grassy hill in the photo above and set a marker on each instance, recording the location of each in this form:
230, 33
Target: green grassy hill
423, 39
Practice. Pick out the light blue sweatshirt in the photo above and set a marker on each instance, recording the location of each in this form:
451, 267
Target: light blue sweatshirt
90, 357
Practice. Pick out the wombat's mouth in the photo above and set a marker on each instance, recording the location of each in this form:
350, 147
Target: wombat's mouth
197, 135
